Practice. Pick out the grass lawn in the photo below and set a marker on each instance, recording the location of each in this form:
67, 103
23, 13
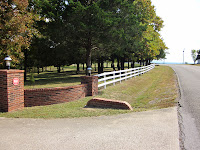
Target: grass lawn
50, 78
67, 77
153, 90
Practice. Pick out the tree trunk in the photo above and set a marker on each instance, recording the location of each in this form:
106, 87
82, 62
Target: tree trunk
99, 66
122, 63
113, 64
102, 65
149, 62
128, 63
146, 63
58, 69
143, 63
118, 67
140, 63
38, 70
133, 64
77, 68
83, 66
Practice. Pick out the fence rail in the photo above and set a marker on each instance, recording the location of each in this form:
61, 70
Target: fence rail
117, 76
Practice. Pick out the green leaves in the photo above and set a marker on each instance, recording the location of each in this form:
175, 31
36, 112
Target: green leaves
83, 28
194, 54
16, 24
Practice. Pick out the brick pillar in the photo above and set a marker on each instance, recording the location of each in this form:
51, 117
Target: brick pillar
92, 84
11, 90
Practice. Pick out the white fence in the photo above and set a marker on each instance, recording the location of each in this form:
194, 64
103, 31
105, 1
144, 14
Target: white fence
117, 76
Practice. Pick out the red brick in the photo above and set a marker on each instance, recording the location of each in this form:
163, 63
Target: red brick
48, 96
15, 97
12, 96
107, 103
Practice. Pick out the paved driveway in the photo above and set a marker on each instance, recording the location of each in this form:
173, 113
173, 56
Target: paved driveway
150, 130
189, 79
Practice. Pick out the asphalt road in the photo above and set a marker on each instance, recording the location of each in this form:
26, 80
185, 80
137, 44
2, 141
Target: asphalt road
189, 110
150, 130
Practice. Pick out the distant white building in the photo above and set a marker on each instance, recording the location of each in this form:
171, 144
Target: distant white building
198, 57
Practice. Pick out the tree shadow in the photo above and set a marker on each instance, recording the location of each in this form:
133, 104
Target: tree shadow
46, 78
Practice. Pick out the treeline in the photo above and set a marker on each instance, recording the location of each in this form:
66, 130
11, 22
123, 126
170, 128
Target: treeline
65, 32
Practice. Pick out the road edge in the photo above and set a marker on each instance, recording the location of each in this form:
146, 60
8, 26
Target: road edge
180, 118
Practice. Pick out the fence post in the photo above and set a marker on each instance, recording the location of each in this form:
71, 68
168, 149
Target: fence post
139, 71
126, 75
120, 76
114, 77
11, 90
104, 81
131, 74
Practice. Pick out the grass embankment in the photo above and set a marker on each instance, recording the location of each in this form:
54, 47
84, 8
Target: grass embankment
195, 64
153, 90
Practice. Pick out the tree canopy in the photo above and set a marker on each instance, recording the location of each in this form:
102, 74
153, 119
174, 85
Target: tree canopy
16, 28
194, 54
85, 31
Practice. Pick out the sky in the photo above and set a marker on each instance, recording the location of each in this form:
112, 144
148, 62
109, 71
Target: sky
181, 31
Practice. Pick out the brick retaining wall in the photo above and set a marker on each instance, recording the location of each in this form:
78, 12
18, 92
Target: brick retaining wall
14, 97
48, 96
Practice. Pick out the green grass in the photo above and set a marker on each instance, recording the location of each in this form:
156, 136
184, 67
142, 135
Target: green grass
153, 90
50, 78
156, 89
53, 79
65, 110
68, 76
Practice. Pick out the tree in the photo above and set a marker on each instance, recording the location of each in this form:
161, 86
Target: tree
77, 31
194, 55
16, 28
150, 43
56, 44
91, 24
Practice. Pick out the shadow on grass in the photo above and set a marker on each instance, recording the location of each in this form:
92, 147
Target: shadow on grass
50, 78
100, 92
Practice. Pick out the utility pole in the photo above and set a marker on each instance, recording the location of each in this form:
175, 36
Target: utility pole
183, 55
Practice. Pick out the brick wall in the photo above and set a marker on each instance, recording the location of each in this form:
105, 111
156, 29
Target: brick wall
11, 96
3, 92
48, 96
92, 84
108, 103
14, 97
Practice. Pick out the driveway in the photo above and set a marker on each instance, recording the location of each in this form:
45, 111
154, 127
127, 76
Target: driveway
189, 110
150, 130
